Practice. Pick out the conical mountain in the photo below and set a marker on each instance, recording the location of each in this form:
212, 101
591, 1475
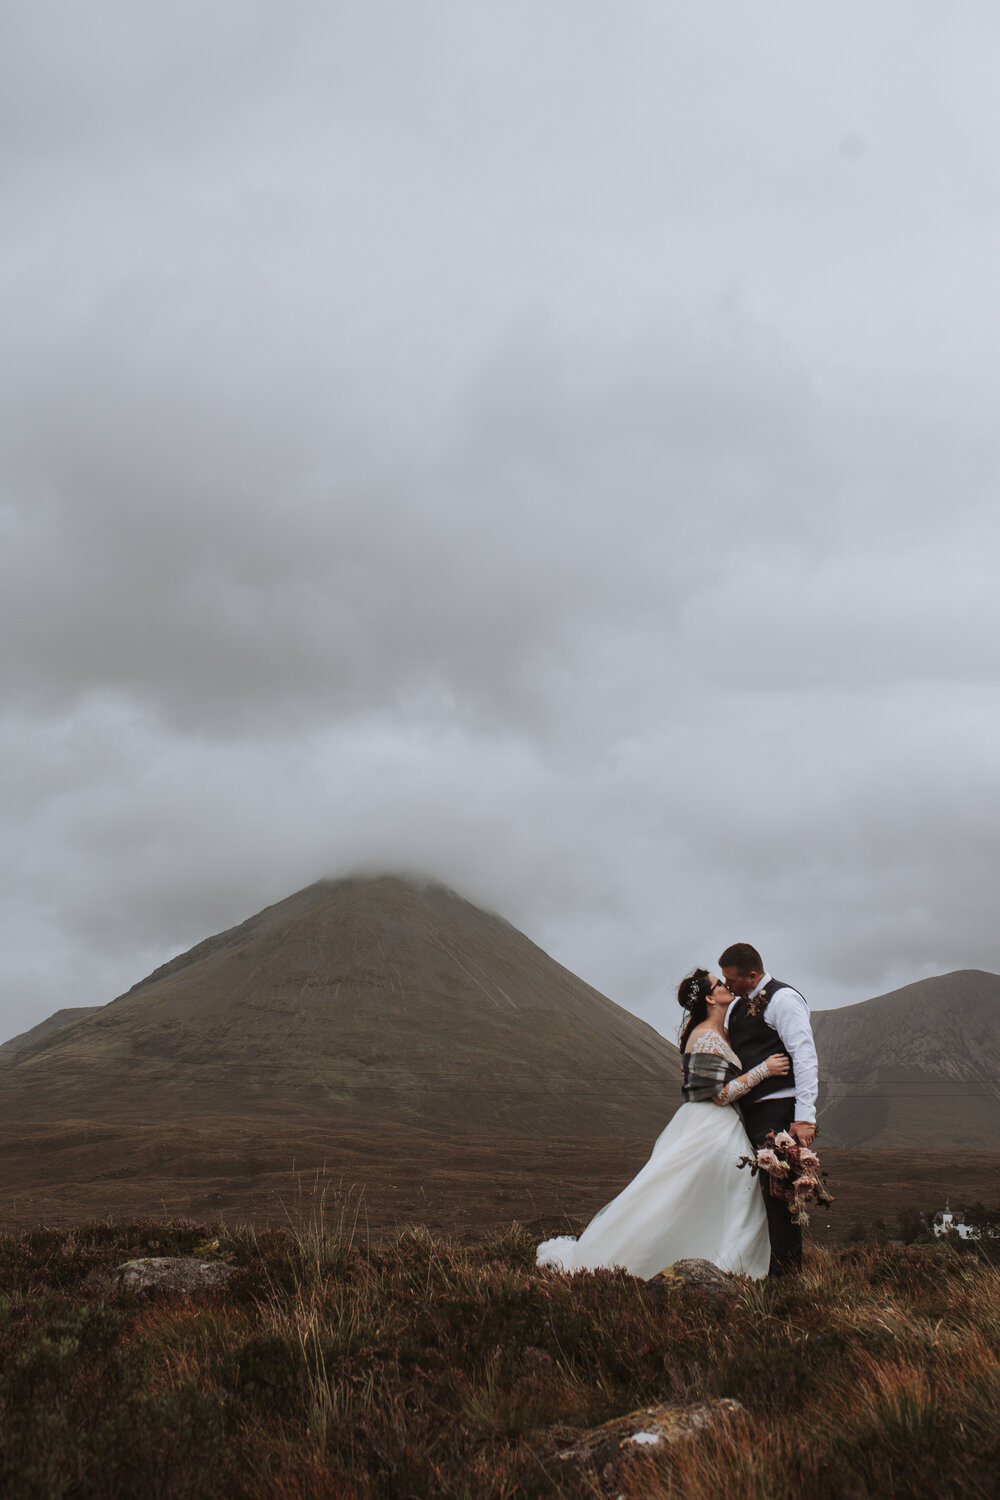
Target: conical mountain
919, 1067
366, 1002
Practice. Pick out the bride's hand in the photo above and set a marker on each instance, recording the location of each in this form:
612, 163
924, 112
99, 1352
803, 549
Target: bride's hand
778, 1063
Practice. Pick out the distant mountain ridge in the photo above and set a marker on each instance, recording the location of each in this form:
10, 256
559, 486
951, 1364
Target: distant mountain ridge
56, 1022
919, 1067
371, 1002
387, 1002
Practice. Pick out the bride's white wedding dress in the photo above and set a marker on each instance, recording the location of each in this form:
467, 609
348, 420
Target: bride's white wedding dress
690, 1199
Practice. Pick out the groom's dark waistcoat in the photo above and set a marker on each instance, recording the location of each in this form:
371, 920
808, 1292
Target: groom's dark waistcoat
753, 1040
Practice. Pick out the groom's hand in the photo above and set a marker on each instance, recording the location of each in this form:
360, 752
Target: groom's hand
804, 1131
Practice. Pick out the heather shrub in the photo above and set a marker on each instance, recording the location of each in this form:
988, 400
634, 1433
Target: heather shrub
413, 1367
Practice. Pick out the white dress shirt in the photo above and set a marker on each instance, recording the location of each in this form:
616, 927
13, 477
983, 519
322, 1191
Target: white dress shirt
788, 1013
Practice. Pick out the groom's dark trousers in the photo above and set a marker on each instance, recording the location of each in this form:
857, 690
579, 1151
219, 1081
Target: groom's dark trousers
785, 1235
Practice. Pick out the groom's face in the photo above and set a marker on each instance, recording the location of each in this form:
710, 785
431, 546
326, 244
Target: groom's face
740, 984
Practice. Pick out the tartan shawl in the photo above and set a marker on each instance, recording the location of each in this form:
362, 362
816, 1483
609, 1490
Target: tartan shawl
705, 1075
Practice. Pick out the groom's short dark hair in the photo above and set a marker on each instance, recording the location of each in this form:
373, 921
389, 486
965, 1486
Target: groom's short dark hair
743, 957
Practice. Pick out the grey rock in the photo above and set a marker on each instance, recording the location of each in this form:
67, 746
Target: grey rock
170, 1273
694, 1272
606, 1452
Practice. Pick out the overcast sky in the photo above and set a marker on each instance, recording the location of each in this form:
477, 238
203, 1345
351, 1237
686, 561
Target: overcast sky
550, 446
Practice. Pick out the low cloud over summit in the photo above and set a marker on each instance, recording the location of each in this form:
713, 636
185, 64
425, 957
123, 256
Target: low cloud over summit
537, 454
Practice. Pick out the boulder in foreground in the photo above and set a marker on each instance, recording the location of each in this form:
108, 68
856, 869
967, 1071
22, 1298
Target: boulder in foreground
614, 1447
170, 1273
703, 1274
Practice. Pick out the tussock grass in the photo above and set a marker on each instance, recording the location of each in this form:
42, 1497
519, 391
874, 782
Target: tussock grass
332, 1367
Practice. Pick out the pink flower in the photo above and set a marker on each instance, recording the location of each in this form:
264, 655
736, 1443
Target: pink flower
794, 1173
769, 1162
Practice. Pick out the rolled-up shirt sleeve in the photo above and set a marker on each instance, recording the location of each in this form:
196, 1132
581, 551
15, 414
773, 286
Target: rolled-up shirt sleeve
788, 1013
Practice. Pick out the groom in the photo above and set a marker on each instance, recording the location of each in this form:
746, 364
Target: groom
768, 1016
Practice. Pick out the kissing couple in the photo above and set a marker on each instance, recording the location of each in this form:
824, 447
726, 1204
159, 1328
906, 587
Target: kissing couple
750, 1069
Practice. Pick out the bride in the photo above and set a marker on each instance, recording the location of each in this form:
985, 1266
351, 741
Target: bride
689, 1199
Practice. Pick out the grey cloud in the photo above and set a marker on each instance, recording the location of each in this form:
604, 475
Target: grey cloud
520, 447
225, 560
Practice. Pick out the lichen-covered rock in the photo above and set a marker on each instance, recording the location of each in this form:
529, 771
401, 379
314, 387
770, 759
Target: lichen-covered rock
697, 1273
607, 1451
168, 1273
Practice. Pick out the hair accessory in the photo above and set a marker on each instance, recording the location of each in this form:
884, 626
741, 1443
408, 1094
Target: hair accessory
693, 989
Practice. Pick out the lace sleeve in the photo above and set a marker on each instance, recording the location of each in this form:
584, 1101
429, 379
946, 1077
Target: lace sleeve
742, 1085
711, 1041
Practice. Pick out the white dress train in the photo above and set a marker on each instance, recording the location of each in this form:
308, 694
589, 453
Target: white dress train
690, 1199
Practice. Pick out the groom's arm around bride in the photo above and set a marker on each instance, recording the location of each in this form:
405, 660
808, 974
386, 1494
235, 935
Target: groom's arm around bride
767, 1016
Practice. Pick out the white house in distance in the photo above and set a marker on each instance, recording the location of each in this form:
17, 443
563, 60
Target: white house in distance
947, 1219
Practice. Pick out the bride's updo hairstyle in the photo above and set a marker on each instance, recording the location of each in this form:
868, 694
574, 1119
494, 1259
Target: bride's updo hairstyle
692, 994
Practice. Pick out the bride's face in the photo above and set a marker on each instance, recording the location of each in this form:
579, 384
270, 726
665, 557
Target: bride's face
718, 994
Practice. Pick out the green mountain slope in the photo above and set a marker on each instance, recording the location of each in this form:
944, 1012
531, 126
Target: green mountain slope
368, 1002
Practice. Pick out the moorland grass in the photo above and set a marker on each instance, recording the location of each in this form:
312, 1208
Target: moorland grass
331, 1367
